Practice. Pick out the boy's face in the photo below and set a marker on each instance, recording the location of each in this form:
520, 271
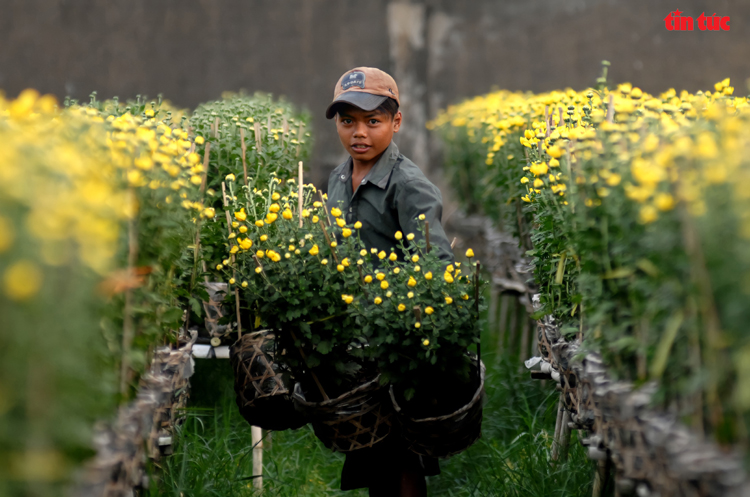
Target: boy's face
365, 134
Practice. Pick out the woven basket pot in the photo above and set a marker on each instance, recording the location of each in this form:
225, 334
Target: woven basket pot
259, 384
444, 436
357, 419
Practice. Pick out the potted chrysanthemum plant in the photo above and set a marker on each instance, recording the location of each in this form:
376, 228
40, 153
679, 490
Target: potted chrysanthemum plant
420, 317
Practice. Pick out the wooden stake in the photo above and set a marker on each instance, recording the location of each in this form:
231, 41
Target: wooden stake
284, 130
257, 441
300, 191
216, 128
244, 149
453, 243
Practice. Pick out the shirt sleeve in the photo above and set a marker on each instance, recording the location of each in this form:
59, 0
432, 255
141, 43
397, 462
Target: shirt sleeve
417, 197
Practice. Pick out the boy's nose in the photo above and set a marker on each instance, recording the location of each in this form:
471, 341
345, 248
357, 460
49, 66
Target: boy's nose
360, 130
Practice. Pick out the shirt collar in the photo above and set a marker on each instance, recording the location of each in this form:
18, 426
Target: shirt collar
380, 172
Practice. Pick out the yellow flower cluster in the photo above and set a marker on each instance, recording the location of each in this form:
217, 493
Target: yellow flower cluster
65, 178
656, 135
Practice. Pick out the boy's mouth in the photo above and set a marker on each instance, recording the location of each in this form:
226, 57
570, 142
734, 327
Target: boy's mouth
361, 147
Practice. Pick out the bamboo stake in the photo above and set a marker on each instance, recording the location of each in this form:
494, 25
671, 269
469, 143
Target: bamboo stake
525, 337
256, 127
244, 149
234, 271
257, 441
206, 153
556, 436
269, 125
284, 130
611, 108
476, 308
706, 311
503, 323
300, 192
128, 331
513, 325
197, 246
564, 436
299, 138
325, 207
492, 311
600, 478
328, 241
453, 243
427, 235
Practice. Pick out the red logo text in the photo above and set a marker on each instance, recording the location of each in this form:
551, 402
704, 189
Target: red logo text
677, 22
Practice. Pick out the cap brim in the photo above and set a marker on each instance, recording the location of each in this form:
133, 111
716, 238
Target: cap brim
365, 101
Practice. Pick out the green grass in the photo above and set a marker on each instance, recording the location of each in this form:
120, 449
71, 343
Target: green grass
213, 454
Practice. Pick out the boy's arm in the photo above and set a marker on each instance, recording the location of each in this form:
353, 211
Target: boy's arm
417, 197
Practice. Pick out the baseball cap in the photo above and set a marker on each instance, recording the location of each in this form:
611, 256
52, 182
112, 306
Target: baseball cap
363, 87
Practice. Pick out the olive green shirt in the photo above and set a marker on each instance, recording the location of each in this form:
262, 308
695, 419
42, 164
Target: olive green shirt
389, 199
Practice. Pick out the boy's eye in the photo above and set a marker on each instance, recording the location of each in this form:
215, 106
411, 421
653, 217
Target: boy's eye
346, 121
374, 121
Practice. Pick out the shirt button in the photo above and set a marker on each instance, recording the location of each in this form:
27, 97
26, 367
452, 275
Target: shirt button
364, 181
343, 177
350, 209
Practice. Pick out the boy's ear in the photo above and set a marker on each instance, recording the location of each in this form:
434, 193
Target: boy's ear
397, 122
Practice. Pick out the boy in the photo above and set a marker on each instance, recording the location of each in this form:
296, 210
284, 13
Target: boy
386, 192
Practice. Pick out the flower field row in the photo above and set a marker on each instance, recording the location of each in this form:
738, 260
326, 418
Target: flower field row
99, 212
636, 213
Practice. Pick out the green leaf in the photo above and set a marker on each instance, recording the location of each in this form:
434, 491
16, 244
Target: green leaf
196, 305
665, 344
324, 347
409, 393
172, 315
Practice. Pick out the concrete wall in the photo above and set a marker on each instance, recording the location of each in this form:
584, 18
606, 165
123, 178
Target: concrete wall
439, 51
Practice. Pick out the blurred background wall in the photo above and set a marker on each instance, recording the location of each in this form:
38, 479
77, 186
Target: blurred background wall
439, 51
